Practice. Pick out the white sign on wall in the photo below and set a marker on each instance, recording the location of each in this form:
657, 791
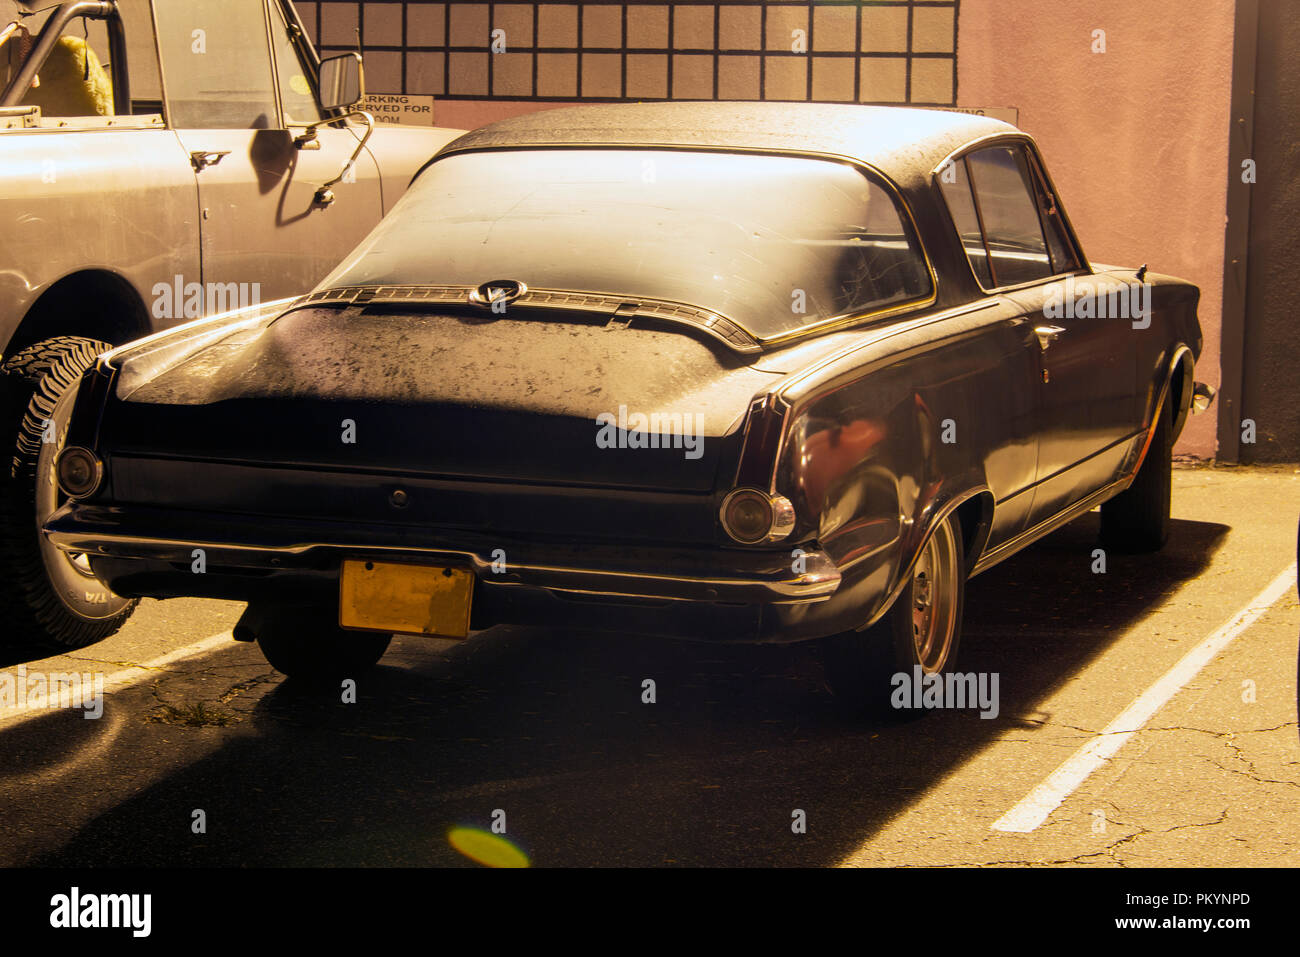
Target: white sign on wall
1007, 114
401, 109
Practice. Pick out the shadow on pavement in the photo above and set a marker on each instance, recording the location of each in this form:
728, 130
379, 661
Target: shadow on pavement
550, 729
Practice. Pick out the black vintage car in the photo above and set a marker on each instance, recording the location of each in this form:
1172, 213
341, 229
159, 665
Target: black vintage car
734, 373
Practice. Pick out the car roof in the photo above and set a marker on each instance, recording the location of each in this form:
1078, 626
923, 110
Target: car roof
906, 144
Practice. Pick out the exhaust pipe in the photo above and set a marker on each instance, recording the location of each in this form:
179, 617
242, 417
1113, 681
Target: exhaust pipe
1202, 396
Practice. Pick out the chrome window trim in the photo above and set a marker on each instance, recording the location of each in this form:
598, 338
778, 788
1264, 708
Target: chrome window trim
873, 173
720, 327
1027, 142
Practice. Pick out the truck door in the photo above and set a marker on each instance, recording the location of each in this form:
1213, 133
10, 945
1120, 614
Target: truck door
97, 185
235, 82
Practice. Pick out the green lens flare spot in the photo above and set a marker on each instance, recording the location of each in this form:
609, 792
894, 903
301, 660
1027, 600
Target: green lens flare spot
490, 850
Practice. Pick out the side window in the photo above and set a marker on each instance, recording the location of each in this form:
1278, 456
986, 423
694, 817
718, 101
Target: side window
1004, 192
956, 191
217, 64
297, 91
1008, 222
142, 54
1064, 258
77, 79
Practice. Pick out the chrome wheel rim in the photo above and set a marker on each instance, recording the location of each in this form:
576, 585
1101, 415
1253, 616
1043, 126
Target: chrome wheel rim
934, 600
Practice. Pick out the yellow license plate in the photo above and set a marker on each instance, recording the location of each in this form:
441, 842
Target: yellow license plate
413, 599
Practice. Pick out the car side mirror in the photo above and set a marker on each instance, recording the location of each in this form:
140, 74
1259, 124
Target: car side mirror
342, 81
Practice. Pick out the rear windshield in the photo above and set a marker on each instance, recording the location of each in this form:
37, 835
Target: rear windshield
773, 242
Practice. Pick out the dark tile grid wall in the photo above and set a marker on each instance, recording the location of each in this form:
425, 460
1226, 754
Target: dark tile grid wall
872, 51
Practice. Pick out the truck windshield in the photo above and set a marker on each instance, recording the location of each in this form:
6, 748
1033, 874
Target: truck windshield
775, 243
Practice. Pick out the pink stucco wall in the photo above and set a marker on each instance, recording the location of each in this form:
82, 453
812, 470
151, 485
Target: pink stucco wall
471, 114
1135, 138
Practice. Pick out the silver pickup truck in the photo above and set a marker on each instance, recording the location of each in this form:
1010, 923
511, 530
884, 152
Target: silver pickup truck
160, 160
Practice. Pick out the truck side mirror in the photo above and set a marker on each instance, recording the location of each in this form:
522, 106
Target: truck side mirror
342, 81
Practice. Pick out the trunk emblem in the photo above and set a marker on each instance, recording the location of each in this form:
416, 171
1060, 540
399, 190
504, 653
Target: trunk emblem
497, 293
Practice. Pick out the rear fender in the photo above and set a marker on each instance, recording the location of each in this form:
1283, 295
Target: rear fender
1172, 381
876, 466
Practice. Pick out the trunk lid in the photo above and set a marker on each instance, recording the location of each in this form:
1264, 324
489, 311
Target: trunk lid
459, 396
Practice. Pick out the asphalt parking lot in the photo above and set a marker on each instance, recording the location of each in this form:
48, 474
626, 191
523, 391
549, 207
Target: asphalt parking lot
548, 732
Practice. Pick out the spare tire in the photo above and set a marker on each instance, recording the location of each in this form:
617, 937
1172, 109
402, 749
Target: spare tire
50, 598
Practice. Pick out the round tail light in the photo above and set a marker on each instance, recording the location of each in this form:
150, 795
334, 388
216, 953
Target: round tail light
751, 516
79, 471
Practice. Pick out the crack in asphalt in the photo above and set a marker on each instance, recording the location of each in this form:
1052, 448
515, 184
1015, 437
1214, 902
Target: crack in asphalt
1110, 851
239, 687
1253, 773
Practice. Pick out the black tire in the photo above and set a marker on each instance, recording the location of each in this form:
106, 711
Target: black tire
310, 647
860, 665
49, 598
1137, 519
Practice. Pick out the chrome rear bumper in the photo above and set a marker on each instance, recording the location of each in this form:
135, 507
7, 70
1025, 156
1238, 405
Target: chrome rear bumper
240, 542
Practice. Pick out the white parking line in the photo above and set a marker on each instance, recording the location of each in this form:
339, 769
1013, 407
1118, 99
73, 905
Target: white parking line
1031, 812
37, 704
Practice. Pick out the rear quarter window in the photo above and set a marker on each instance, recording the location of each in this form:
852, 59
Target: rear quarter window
1009, 224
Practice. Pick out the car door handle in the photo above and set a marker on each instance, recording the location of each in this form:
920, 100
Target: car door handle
1047, 335
202, 159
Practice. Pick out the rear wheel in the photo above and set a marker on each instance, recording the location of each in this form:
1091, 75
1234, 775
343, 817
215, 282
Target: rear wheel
49, 597
309, 645
1137, 519
921, 629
